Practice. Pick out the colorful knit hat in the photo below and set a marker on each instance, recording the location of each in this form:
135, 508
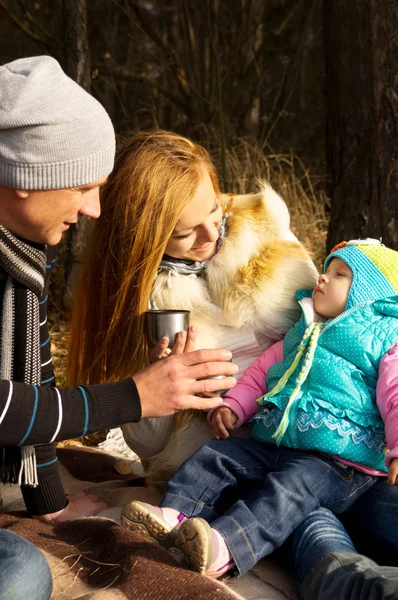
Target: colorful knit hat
374, 268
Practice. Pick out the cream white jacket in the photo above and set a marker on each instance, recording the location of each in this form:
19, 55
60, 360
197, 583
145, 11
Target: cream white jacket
244, 301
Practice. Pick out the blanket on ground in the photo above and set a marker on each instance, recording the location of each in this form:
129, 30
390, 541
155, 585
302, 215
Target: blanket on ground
94, 559
97, 559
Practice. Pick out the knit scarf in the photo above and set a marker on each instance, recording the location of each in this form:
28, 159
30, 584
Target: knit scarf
25, 267
176, 266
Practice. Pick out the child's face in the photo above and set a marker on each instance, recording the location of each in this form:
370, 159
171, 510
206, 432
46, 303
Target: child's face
331, 294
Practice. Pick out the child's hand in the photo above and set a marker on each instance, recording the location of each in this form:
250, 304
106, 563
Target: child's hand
161, 350
222, 419
393, 472
184, 342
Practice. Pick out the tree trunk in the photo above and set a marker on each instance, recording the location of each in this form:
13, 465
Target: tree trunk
362, 87
78, 67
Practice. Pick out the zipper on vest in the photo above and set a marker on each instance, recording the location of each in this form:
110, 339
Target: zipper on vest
343, 315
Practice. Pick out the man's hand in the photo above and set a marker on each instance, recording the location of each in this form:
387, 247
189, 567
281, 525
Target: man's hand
170, 384
184, 342
222, 419
79, 506
393, 472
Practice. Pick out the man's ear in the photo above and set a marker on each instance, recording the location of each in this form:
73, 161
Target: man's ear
22, 193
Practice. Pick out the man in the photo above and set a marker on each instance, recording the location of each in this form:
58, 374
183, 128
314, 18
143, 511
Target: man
57, 147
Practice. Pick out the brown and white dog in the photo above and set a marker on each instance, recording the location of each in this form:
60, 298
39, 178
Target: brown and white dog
249, 285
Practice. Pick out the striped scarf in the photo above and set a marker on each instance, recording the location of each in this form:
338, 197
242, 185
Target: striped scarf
25, 266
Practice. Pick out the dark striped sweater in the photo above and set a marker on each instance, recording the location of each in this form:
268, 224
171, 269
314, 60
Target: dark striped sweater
42, 415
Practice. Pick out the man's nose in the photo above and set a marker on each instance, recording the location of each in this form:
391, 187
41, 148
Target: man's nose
91, 206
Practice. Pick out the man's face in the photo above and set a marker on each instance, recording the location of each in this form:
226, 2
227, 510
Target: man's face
42, 216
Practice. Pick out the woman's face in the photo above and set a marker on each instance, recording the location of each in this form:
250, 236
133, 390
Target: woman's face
196, 232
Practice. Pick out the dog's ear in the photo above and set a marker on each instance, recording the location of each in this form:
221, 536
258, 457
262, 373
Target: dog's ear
276, 211
264, 211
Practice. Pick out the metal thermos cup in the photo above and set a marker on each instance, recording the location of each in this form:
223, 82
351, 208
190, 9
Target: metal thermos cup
218, 392
160, 323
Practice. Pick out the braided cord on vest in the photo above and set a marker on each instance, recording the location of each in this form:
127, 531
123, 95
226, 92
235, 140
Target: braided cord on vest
311, 338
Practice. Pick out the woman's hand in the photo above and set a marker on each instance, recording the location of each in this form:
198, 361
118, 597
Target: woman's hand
222, 419
184, 342
393, 472
80, 505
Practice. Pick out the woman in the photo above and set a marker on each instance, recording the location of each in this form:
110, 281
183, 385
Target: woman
176, 242
161, 242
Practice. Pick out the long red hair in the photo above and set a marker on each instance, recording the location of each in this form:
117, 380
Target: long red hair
155, 176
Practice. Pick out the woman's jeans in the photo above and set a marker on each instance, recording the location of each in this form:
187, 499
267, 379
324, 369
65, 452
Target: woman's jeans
370, 528
24, 572
255, 495
373, 523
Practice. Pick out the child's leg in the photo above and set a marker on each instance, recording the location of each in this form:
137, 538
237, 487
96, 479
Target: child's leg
261, 520
211, 480
205, 485
228, 475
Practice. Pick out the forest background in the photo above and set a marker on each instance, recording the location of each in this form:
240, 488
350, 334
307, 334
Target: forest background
300, 92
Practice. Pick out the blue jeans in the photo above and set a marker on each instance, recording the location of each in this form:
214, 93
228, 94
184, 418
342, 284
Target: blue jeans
371, 528
255, 495
372, 523
24, 572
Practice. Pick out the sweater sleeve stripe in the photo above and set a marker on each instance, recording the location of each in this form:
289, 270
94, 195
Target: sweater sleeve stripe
47, 464
3, 414
45, 343
32, 420
83, 393
59, 415
99, 407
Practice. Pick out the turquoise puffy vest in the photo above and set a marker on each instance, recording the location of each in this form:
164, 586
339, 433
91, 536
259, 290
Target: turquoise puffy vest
335, 408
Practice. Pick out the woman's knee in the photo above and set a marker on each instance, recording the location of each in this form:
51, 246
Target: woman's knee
320, 534
149, 436
24, 571
373, 525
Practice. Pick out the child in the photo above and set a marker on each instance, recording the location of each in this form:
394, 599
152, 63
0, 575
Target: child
321, 383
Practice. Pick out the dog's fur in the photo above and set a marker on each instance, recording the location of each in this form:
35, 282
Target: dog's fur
253, 279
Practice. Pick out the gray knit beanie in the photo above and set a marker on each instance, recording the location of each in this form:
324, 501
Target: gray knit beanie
53, 134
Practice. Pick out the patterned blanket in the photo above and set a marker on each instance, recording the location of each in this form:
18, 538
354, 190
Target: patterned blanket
95, 559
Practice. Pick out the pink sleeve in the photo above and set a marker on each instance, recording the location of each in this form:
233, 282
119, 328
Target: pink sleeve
242, 399
387, 399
